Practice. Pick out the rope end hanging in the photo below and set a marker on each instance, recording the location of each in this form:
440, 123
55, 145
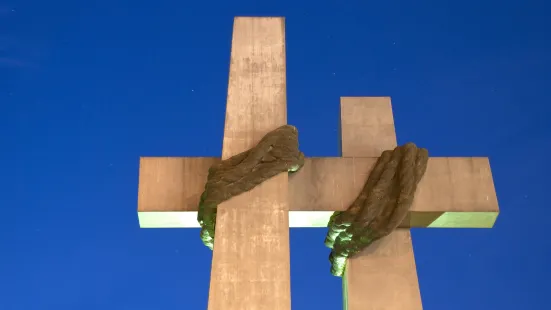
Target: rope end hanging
380, 207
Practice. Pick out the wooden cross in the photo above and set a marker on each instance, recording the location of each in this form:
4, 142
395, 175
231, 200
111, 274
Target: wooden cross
251, 263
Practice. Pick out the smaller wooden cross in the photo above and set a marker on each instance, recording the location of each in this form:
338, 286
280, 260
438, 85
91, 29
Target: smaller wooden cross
250, 267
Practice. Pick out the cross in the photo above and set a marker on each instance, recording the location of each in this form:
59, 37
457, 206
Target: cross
251, 261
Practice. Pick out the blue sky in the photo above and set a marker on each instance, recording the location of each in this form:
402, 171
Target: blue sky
88, 87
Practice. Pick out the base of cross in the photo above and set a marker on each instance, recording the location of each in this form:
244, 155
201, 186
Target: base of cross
251, 268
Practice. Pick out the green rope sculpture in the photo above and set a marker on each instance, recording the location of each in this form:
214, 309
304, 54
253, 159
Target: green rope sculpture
380, 207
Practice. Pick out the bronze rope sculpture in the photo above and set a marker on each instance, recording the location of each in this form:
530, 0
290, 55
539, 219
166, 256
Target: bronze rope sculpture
277, 152
380, 207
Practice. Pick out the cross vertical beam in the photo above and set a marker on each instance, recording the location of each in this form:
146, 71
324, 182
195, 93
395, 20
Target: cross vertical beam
250, 267
384, 275
251, 263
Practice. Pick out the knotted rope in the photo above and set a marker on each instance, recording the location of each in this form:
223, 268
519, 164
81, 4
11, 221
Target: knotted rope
380, 207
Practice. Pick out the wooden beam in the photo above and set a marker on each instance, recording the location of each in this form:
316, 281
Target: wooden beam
455, 192
251, 263
367, 126
384, 275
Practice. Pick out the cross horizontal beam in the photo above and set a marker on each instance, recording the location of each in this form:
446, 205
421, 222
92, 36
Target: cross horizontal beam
456, 192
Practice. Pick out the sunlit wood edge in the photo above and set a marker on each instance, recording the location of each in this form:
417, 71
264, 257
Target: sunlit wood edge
188, 219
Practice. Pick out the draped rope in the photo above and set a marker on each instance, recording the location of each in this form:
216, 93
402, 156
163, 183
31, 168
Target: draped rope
380, 207
277, 152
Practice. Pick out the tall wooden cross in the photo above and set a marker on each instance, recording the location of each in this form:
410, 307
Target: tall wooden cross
251, 263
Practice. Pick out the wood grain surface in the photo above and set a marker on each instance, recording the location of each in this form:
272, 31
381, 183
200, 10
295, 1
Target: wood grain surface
250, 264
455, 191
383, 276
